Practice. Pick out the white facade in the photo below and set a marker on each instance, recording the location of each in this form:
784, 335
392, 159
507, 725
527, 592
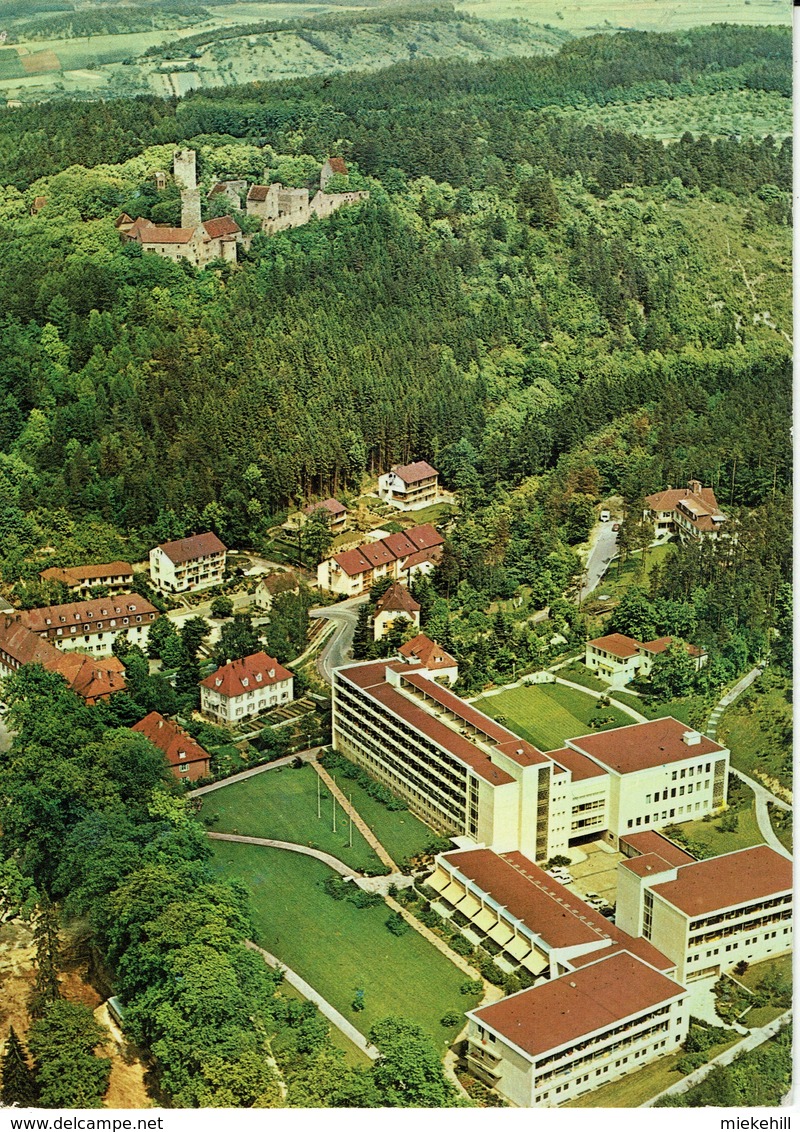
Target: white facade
198, 571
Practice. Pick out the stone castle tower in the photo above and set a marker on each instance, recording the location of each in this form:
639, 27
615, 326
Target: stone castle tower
184, 166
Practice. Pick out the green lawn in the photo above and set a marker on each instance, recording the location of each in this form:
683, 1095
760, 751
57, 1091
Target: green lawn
688, 709
339, 948
782, 965
578, 673
399, 831
757, 729
282, 804
547, 714
714, 841
352, 1054
636, 1088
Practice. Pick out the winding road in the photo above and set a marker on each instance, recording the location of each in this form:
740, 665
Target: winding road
344, 615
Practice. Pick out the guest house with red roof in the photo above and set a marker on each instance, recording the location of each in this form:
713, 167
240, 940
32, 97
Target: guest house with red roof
409, 486
620, 659
469, 776
187, 759
395, 604
92, 626
245, 688
188, 563
691, 512
115, 577
92, 678
397, 556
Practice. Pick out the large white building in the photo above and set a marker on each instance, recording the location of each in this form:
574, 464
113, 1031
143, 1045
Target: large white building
92, 626
188, 563
709, 915
409, 486
468, 775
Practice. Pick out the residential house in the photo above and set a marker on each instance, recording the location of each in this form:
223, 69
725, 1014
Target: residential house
92, 626
187, 759
433, 658
708, 915
395, 556
620, 659
469, 776
335, 511
116, 577
691, 512
92, 678
395, 604
244, 688
409, 486
188, 563
273, 585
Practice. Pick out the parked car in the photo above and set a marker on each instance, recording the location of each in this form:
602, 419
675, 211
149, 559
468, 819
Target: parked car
615, 527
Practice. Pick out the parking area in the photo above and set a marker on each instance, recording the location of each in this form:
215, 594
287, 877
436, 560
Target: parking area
594, 870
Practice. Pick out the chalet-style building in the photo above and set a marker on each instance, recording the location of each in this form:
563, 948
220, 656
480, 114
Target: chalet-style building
192, 563
92, 678
409, 486
396, 604
620, 659
187, 759
93, 625
396, 556
116, 577
244, 688
273, 585
335, 511
691, 512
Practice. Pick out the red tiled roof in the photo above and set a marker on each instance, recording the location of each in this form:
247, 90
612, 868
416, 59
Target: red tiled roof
171, 739
661, 644
258, 670
92, 678
331, 505
578, 764
377, 553
352, 562
665, 500
421, 556
258, 192
651, 842
197, 546
140, 224
23, 645
559, 1012
220, 227
424, 536
742, 877
640, 745
286, 582
617, 644
648, 864
431, 654
413, 473
72, 575
400, 544
91, 609
397, 599
123, 218
383, 551
155, 234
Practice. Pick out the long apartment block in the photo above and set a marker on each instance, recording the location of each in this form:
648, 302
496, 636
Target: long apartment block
467, 775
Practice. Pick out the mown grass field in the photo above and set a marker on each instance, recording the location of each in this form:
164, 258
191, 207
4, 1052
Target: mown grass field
547, 714
399, 831
687, 709
339, 948
281, 804
645, 15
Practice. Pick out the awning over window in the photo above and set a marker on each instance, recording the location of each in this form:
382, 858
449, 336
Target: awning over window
469, 905
535, 963
453, 893
485, 919
501, 933
439, 880
518, 947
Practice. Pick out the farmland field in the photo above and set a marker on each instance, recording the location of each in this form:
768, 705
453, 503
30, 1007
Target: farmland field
645, 15
339, 948
547, 714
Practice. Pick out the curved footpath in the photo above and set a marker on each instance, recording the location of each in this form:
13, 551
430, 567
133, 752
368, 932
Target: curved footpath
764, 798
754, 1039
327, 858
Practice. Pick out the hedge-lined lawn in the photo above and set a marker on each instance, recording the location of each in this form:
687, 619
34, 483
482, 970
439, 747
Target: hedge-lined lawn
339, 948
691, 710
547, 714
282, 804
399, 831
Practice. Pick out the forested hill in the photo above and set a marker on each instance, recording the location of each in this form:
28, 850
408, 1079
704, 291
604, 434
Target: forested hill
516, 285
